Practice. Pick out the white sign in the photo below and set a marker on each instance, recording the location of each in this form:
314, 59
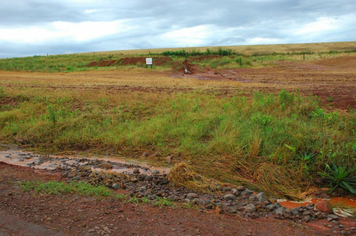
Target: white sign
148, 61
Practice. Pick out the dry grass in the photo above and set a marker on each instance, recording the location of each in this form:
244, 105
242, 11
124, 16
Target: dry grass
248, 49
182, 175
133, 78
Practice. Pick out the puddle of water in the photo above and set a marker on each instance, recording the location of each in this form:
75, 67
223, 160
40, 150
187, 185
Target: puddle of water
27, 159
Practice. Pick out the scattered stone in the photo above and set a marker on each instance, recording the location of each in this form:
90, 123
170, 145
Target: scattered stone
192, 195
234, 191
246, 192
332, 217
295, 211
252, 198
234, 209
229, 197
307, 218
324, 206
241, 188
280, 211
250, 208
270, 207
115, 186
155, 172
307, 213
136, 171
262, 197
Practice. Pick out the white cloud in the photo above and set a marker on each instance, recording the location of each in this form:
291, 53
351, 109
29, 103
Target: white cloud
77, 32
188, 36
321, 25
258, 40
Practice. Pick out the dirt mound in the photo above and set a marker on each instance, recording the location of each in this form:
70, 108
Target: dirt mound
189, 67
158, 61
102, 63
92, 64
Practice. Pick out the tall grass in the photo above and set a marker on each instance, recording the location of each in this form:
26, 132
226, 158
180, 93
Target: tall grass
230, 139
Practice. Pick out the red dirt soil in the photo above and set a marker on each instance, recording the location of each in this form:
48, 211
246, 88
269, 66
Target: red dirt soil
75, 215
158, 61
333, 79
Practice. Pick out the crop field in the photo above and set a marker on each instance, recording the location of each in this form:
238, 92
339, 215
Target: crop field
270, 117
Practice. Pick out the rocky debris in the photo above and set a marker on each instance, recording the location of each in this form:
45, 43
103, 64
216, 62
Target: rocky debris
192, 195
229, 197
262, 197
246, 192
324, 206
142, 182
250, 208
240, 188
331, 217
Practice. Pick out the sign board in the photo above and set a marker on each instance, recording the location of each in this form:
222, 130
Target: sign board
148, 61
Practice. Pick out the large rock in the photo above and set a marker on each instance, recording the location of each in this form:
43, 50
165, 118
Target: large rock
324, 206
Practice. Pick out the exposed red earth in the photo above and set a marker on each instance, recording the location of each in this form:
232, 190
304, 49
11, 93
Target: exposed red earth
333, 79
159, 61
73, 215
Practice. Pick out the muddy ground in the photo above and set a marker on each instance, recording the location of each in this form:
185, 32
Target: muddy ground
332, 79
27, 213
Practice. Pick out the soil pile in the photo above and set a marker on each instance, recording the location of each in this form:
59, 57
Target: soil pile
158, 61
188, 67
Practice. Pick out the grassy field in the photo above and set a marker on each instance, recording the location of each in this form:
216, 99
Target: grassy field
229, 57
276, 142
249, 49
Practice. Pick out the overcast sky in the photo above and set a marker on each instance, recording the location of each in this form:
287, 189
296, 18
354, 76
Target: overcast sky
38, 27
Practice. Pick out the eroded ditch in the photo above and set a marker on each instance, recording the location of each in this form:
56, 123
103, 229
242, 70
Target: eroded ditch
143, 181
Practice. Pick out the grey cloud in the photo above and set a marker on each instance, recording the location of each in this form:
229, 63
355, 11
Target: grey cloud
149, 19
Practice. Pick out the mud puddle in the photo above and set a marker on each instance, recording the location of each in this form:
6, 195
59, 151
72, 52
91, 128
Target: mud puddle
29, 159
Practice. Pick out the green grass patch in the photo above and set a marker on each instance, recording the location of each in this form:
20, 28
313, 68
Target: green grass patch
230, 139
54, 187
